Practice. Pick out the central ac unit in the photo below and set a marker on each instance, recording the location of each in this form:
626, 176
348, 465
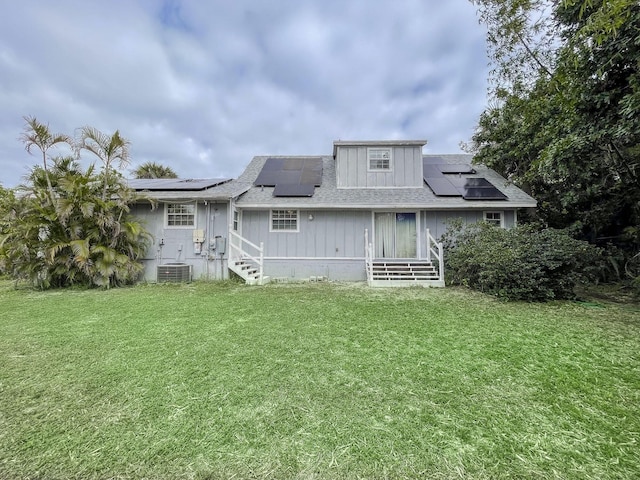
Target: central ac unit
174, 272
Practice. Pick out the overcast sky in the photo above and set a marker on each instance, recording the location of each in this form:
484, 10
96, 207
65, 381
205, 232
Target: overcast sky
203, 86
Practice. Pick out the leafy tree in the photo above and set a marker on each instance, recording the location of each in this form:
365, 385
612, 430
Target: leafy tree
154, 170
570, 133
7, 199
37, 134
85, 236
520, 40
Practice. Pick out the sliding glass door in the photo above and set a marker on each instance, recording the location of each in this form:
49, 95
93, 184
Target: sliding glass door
395, 235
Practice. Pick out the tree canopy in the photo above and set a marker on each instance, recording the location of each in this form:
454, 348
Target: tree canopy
72, 226
37, 134
154, 170
564, 120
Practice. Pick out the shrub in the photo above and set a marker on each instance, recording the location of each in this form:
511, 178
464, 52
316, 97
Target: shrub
79, 238
523, 263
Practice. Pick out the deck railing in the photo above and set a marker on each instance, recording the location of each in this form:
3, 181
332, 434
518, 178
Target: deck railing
435, 252
434, 249
368, 252
238, 246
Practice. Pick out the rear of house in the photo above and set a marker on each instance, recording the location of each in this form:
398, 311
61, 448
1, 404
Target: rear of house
373, 210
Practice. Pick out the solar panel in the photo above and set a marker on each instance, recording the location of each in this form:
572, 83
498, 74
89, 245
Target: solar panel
462, 182
431, 171
275, 164
175, 184
266, 178
288, 176
291, 176
442, 187
483, 193
315, 163
292, 163
293, 190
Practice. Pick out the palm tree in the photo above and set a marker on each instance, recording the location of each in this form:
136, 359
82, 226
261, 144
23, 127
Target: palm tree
38, 134
154, 170
108, 148
79, 240
69, 225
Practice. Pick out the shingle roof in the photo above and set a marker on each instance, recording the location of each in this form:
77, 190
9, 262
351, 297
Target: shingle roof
328, 196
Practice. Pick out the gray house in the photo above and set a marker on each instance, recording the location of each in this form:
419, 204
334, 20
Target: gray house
189, 221
373, 210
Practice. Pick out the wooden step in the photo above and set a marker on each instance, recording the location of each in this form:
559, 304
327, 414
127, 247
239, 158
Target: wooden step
404, 272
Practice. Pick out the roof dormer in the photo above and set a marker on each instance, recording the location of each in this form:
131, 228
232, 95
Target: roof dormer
379, 164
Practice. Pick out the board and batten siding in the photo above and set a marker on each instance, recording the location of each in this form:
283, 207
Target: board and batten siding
440, 220
330, 234
175, 245
352, 168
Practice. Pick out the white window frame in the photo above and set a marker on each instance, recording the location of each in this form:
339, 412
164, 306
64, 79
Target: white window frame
373, 155
494, 221
168, 206
236, 220
294, 216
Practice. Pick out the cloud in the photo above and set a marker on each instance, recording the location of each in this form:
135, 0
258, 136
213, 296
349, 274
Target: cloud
204, 86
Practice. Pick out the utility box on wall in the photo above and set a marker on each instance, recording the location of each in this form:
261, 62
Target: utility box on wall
198, 236
221, 245
198, 240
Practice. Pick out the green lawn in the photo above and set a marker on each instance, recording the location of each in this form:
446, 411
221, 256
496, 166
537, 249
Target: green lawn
314, 381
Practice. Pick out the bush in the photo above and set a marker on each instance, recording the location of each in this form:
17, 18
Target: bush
523, 263
83, 237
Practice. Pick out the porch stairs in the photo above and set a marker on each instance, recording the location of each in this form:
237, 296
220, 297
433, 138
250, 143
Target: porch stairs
404, 273
400, 272
246, 259
248, 271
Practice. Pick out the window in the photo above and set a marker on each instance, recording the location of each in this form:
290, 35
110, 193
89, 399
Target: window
379, 158
236, 218
494, 218
284, 220
181, 215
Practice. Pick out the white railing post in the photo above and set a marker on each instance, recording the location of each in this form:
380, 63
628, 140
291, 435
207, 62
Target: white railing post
261, 262
438, 251
370, 267
441, 261
231, 246
368, 256
366, 239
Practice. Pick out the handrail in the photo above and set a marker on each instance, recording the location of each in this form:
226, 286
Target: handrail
435, 251
237, 252
368, 253
438, 252
244, 240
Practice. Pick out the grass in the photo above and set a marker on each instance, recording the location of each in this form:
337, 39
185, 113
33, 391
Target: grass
212, 381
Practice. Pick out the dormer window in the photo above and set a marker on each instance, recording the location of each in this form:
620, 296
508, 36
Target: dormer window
379, 159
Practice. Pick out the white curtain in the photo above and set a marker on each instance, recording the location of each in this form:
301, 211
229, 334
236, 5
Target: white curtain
406, 235
385, 223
